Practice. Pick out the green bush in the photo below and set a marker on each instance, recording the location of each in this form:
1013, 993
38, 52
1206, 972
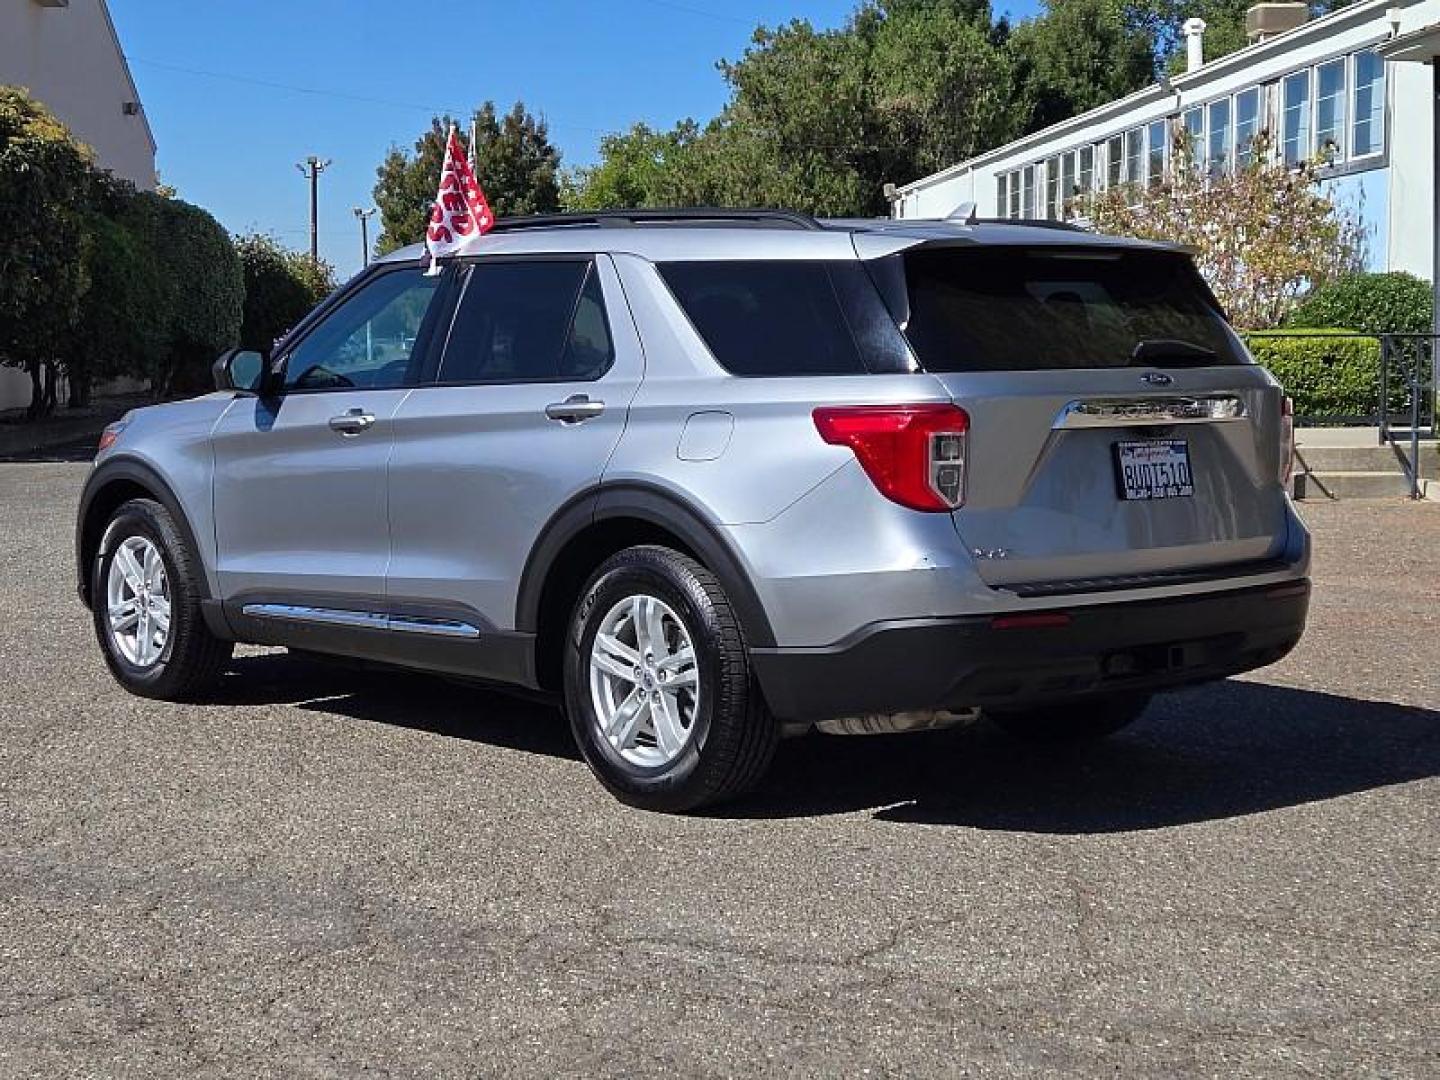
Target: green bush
1394, 303
281, 287
1331, 374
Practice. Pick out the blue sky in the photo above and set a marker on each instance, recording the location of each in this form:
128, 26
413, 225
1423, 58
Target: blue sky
224, 84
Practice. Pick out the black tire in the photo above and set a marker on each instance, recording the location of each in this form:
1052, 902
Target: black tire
733, 734
192, 657
1081, 720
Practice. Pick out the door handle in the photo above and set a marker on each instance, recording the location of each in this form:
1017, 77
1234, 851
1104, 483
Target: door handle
574, 409
352, 422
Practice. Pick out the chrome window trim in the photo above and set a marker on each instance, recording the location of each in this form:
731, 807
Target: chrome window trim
1149, 411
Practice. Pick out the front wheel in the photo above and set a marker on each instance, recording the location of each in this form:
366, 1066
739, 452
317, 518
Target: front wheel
658, 685
1083, 720
145, 598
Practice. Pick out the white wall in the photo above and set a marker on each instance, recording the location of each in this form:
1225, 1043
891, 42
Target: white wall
68, 57
1412, 169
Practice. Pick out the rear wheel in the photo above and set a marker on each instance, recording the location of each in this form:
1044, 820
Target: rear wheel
1082, 720
658, 685
145, 598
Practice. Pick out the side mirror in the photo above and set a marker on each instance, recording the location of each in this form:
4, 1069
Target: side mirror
242, 370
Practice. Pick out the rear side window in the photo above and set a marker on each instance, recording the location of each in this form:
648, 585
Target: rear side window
1025, 309
540, 321
788, 317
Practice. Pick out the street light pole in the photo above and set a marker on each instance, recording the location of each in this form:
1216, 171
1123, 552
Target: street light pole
312, 168
364, 216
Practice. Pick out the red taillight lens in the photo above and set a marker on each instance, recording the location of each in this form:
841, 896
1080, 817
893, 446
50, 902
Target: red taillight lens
915, 454
110, 434
1287, 441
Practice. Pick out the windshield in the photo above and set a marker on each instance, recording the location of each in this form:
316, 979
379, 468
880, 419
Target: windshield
1009, 309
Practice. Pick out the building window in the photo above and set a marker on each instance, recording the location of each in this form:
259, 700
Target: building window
1115, 161
1087, 169
1014, 195
1052, 188
1027, 201
1295, 122
1218, 154
1368, 128
1194, 122
1002, 197
1155, 158
1135, 156
1330, 109
1067, 182
1247, 125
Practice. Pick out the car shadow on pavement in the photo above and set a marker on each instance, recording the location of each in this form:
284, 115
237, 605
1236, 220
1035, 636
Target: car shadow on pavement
413, 700
1218, 751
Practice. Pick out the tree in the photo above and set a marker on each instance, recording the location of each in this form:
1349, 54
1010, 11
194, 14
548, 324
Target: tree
1262, 235
43, 241
640, 167
514, 160
1224, 20
281, 286
1075, 56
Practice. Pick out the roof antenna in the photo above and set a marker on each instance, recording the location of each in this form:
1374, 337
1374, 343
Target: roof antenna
964, 214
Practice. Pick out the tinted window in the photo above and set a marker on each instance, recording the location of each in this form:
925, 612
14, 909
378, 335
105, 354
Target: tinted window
528, 322
368, 341
1002, 309
788, 318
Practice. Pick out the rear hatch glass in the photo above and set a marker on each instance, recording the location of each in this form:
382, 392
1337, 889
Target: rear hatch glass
1026, 309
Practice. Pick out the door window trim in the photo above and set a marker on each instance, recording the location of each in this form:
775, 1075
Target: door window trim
425, 337
429, 378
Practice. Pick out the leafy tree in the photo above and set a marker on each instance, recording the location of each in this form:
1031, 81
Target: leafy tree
43, 241
514, 160
1076, 55
1224, 25
281, 286
1262, 235
640, 167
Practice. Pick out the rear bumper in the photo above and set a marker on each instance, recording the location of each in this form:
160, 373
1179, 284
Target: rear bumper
967, 661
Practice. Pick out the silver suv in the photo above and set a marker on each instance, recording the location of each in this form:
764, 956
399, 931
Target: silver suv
716, 477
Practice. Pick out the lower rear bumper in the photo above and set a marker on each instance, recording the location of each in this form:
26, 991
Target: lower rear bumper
983, 660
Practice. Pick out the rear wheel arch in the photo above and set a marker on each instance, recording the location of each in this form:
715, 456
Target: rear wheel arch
592, 528
114, 483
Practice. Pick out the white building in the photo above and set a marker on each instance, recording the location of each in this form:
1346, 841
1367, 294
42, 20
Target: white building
1352, 85
66, 54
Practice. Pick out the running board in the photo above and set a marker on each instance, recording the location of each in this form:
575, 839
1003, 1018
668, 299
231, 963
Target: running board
364, 620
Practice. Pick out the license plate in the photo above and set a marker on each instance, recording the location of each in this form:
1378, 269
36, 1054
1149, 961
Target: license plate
1154, 469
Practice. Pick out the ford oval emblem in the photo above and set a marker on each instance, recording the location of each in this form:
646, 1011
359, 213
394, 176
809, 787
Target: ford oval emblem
1156, 378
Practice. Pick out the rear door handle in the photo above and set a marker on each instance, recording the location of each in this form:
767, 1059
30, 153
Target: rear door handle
352, 422
575, 409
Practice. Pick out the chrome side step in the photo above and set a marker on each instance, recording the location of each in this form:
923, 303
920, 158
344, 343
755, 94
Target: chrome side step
368, 620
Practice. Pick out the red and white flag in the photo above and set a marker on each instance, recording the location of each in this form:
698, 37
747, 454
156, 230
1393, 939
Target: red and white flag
460, 214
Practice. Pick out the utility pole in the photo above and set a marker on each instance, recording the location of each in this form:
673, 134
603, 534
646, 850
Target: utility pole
312, 168
364, 216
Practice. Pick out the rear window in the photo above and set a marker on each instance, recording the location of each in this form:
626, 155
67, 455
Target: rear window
1023, 309
788, 317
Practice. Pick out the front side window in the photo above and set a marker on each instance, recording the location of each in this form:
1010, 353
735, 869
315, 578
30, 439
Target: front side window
369, 341
1330, 109
529, 321
1368, 132
1295, 123
1219, 155
1247, 125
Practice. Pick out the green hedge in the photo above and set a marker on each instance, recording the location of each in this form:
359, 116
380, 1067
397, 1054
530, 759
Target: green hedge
1331, 374
1393, 303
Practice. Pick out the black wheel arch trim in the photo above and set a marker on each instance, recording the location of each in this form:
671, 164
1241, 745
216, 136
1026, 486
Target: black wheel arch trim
656, 506
143, 475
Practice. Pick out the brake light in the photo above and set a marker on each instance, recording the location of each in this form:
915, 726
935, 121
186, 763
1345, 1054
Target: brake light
1287, 441
914, 454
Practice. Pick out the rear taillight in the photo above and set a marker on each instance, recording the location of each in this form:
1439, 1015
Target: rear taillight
1287, 441
915, 454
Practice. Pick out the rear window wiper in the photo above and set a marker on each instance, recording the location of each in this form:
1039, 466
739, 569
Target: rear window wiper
1173, 350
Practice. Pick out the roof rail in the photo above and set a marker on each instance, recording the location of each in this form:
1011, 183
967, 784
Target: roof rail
688, 215
1034, 223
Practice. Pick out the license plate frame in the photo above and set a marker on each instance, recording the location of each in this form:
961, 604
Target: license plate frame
1151, 470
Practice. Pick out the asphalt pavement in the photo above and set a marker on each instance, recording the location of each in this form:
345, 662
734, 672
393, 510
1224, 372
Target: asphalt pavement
340, 872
